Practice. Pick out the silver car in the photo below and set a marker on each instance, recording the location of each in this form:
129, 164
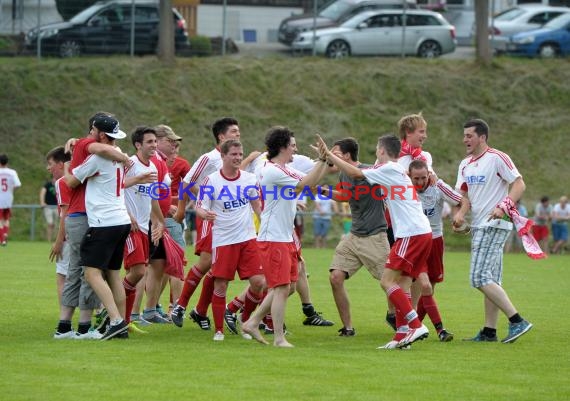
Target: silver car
382, 32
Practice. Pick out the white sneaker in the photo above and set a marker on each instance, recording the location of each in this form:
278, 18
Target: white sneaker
92, 334
63, 336
219, 336
390, 345
414, 335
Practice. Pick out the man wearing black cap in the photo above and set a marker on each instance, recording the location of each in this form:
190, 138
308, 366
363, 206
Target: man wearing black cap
102, 247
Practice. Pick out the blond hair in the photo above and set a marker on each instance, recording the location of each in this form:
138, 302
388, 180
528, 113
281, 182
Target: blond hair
410, 123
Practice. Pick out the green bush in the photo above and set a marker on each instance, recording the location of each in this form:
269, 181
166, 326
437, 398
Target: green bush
200, 46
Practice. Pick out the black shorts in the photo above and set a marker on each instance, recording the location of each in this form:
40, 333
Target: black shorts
102, 247
156, 252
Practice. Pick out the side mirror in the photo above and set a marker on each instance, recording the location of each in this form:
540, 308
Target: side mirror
362, 25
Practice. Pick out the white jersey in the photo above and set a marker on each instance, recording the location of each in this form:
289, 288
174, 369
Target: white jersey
405, 161
486, 180
8, 181
406, 210
433, 199
559, 214
279, 202
105, 192
229, 199
206, 164
137, 197
301, 163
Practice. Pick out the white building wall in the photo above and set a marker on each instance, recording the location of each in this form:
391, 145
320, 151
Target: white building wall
263, 20
26, 15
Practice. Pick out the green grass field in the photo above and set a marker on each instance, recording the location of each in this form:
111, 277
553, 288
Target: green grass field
185, 364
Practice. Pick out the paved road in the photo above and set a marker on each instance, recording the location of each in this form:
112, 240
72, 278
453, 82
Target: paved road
266, 49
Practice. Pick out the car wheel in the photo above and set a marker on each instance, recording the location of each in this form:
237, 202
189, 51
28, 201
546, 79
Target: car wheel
548, 50
69, 48
338, 49
429, 49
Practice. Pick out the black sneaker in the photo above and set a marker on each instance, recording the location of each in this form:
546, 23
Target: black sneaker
177, 315
104, 325
202, 321
445, 336
344, 332
317, 320
230, 319
391, 320
116, 330
270, 331
481, 337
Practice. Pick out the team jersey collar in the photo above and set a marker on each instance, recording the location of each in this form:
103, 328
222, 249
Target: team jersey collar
231, 179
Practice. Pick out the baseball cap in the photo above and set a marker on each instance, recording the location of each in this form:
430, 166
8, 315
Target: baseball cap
165, 131
109, 125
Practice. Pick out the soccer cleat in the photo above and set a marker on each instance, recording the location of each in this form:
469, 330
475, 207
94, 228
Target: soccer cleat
155, 317
482, 337
344, 332
104, 325
516, 330
64, 336
177, 315
133, 328
317, 320
162, 313
391, 320
414, 335
202, 321
445, 336
115, 330
231, 320
92, 334
219, 336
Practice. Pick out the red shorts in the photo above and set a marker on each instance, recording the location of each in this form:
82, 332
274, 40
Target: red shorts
434, 264
409, 254
136, 249
5, 214
279, 260
243, 258
203, 236
540, 232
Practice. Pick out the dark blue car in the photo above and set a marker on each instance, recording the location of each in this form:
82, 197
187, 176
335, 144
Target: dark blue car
551, 40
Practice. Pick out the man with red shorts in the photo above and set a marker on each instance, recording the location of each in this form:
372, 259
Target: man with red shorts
432, 198
8, 182
411, 230
279, 184
223, 129
234, 194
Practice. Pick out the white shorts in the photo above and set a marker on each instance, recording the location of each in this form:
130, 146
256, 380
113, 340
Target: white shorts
51, 214
62, 265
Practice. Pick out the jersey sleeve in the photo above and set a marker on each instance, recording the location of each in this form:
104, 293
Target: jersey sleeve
86, 169
205, 199
196, 173
284, 177
62, 192
17, 183
506, 168
449, 194
460, 184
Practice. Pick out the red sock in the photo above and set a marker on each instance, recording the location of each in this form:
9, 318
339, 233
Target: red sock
130, 293
431, 309
190, 283
251, 302
400, 300
206, 295
401, 326
3, 232
218, 310
235, 305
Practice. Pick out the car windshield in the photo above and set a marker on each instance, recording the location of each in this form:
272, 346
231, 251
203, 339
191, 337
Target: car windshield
559, 22
86, 14
509, 15
335, 9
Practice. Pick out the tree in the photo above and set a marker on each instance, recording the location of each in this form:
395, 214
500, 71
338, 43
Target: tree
68, 8
482, 31
166, 33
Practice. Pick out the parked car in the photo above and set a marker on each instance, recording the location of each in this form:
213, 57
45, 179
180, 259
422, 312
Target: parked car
333, 13
105, 27
427, 34
552, 40
520, 19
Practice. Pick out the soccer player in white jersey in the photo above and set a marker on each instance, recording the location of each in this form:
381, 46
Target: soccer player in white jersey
223, 129
411, 230
232, 197
485, 177
432, 198
279, 184
109, 225
140, 206
8, 182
